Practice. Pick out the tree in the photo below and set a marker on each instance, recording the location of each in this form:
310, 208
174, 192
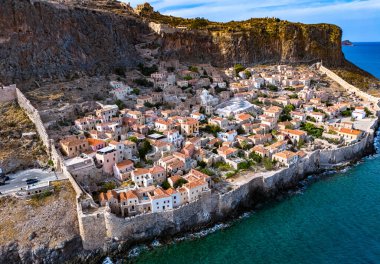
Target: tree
240, 130
247, 74
268, 164
193, 69
165, 185
180, 182
206, 171
148, 104
238, 68
136, 91
120, 71
367, 111
243, 165
120, 104
300, 143
147, 71
255, 157
198, 23
144, 148
244, 145
272, 87
133, 139
201, 164
143, 82
105, 186
213, 129
312, 130
347, 112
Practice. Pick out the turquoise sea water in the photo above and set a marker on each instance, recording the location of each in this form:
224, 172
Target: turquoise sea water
334, 220
366, 55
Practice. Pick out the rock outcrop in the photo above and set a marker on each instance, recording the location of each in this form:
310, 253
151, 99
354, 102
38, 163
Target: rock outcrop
44, 40
285, 43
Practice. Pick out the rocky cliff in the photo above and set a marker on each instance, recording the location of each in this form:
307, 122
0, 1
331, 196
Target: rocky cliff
50, 40
44, 40
270, 43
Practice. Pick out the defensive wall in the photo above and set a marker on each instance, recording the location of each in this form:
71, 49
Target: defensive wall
12, 93
348, 87
98, 225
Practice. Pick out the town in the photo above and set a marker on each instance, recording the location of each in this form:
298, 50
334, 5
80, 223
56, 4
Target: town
182, 130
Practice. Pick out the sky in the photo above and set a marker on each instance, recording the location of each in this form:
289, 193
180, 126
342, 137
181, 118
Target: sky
359, 19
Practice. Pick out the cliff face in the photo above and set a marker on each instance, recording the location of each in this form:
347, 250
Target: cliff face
285, 42
47, 40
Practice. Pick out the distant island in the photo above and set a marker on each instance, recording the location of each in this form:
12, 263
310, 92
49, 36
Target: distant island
347, 43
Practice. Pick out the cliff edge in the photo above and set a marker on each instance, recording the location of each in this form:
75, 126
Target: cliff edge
62, 39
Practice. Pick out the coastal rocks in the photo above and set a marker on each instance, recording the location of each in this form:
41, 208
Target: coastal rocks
15, 253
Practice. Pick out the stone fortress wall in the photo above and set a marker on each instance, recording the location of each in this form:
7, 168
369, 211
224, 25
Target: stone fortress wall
349, 88
98, 225
211, 207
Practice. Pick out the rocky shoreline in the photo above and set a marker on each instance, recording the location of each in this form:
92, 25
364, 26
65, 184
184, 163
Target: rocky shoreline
122, 250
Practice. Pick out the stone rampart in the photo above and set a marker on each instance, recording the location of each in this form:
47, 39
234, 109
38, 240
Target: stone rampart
349, 88
211, 207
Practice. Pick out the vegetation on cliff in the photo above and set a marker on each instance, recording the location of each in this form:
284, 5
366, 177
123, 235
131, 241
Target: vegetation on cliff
18, 151
358, 77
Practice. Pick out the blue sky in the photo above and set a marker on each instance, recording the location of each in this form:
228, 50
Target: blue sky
359, 19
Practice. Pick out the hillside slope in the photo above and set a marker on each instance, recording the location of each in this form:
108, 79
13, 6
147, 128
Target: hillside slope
42, 40
45, 40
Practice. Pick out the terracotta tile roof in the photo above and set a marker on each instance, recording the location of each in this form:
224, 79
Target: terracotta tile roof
140, 171
159, 194
285, 154
350, 131
124, 163
195, 184
227, 150
294, 132
110, 194
157, 169
94, 141
171, 191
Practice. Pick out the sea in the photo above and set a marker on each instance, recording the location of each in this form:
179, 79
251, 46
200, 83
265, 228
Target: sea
366, 55
332, 218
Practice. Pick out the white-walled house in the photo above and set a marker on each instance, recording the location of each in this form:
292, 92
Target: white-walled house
123, 169
358, 113
227, 136
161, 201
